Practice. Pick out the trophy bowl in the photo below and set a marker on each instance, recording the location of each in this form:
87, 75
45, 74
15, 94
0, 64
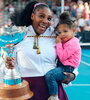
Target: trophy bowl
12, 87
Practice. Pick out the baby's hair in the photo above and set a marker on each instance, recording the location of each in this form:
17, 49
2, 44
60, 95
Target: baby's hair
23, 18
65, 18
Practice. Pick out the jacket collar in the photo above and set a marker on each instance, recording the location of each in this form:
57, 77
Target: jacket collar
48, 32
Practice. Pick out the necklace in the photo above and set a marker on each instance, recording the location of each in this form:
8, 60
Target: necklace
36, 37
43, 36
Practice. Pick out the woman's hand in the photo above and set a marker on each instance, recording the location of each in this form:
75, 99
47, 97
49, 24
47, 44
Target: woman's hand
10, 62
70, 77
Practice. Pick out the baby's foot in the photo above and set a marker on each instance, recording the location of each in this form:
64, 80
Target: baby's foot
53, 98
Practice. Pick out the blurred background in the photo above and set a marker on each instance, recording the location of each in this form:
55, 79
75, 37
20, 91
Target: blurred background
80, 12
79, 9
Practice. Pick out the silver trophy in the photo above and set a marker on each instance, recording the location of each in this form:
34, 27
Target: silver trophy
11, 35
11, 76
12, 87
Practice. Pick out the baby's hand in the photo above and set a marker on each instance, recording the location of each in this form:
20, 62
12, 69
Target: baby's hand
58, 39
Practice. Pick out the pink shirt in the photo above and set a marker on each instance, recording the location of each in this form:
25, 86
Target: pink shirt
69, 53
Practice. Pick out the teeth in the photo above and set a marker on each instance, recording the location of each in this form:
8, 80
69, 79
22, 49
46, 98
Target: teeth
42, 26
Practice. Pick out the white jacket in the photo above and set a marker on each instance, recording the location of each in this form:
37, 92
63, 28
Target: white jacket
30, 63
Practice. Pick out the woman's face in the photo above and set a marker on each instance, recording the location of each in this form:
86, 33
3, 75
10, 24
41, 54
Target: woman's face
41, 20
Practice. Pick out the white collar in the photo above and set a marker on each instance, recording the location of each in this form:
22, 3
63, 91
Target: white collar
48, 32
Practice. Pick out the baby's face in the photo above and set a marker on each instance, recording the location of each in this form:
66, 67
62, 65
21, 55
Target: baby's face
65, 33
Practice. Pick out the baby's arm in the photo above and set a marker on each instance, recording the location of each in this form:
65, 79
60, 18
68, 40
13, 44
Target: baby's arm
65, 51
58, 39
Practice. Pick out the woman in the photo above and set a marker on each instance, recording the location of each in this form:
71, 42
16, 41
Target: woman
36, 54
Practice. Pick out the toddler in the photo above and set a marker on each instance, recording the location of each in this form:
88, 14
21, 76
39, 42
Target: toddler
68, 51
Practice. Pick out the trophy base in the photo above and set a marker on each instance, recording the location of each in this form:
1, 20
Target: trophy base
15, 92
12, 81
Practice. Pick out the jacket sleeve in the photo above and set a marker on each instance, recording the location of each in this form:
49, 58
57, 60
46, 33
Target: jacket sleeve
65, 52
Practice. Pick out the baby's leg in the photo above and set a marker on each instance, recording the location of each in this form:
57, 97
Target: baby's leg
52, 77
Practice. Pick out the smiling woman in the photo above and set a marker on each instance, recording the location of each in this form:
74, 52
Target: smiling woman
41, 20
39, 38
